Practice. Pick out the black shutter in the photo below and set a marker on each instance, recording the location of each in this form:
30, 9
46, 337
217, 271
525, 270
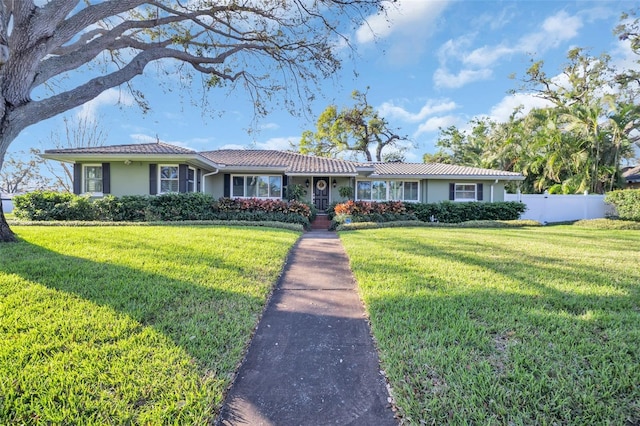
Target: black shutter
183, 171
285, 183
227, 185
452, 191
106, 178
198, 180
77, 178
479, 189
153, 179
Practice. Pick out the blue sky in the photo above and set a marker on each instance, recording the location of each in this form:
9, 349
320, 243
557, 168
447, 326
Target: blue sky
438, 63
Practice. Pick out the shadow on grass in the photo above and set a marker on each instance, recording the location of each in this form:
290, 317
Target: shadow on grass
470, 333
203, 315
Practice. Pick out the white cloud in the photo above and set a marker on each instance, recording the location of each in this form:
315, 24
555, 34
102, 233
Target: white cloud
443, 78
477, 63
390, 110
143, 138
232, 146
503, 110
110, 97
487, 55
405, 16
270, 126
435, 123
281, 144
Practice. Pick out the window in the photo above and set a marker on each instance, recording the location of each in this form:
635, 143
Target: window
465, 192
379, 190
169, 181
383, 190
258, 186
92, 179
364, 190
191, 178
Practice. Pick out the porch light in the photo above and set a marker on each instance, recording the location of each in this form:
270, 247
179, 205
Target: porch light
306, 183
334, 183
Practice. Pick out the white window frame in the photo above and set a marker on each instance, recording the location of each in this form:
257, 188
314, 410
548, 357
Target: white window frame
387, 183
85, 179
160, 179
244, 186
463, 200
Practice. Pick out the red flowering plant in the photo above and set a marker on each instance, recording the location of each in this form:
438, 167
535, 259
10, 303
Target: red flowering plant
371, 211
263, 205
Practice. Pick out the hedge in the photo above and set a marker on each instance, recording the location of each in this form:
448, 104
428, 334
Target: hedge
444, 212
49, 206
626, 202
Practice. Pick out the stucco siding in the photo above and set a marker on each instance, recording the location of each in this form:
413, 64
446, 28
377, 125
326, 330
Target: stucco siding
132, 179
214, 185
437, 190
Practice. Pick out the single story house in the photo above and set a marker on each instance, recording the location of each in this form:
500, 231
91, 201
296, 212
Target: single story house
631, 176
155, 168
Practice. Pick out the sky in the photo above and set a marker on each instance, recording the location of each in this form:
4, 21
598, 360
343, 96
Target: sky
435, 64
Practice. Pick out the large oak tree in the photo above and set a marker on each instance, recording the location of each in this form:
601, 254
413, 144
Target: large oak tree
263, 46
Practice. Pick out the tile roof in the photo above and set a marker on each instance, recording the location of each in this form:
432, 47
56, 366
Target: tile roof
435, 169
144, 148
291, 162
632, 174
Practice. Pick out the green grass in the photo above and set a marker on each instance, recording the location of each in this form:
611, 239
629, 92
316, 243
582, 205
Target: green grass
505, 326
129, 325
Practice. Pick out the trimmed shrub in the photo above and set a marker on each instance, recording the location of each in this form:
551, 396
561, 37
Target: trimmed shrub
181, 206
47, 205
450, 212
626, 202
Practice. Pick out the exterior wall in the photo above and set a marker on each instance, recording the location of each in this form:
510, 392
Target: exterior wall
214, 185
335, 192
132, 179
300, 180
438, 190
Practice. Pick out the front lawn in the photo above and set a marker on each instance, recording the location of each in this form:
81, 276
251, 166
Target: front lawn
505, 326
129, 325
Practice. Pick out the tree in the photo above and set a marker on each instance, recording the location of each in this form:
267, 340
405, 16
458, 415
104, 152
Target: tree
266, 46
586, 99
353, 131
629, 29
78, 133
20, 173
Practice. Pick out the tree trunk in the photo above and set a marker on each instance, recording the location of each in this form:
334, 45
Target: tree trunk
6, 234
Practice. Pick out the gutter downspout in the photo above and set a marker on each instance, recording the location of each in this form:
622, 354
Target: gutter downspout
204, 180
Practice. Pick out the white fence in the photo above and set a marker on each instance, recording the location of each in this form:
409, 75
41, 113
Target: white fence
549, 208
7, 204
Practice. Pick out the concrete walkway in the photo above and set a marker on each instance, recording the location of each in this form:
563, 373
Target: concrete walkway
312, 360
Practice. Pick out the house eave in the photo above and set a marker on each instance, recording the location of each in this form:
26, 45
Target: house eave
322, 174
447, 177
193, 159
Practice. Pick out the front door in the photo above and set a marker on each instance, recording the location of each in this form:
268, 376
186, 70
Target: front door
321, 193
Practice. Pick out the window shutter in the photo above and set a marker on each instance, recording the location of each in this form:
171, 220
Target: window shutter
285, 183
227, 185
153, 179
77, 178
198, 180
183, 169
106, 178
452, 191
479, 189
